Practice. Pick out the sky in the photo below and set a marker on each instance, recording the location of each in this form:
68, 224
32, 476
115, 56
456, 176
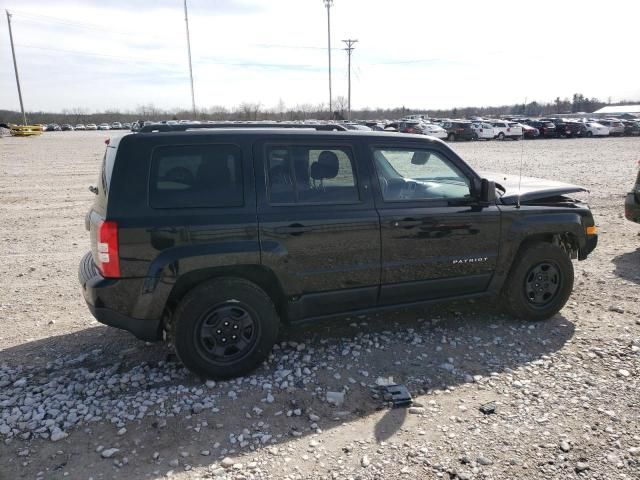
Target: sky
101, 55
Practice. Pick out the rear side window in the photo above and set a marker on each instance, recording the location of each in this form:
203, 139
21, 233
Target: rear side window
310, 174
192, 176
107, 167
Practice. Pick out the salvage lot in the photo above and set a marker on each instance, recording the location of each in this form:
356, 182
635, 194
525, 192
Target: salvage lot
566, 391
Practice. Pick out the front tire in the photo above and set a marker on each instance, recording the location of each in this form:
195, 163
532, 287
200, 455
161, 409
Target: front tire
540, 282
225, 328
501, 136
451, 137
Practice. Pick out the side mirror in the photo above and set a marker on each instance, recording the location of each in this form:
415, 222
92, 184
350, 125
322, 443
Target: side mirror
420, 157
487, 191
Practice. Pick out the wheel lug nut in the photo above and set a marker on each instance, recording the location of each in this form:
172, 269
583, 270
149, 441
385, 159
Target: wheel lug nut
235, 326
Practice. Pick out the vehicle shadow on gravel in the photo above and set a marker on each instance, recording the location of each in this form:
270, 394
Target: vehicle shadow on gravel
628, 266
427, 350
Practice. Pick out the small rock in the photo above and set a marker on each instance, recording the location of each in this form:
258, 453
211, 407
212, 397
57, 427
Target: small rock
210, 383
174, 463
582, 466
564, 446
365, 462
227, 462
109, 452
58, 434
484, 461
623, 373
616, 308
417, 410
488, 408
205, 453
335, 398
122, 431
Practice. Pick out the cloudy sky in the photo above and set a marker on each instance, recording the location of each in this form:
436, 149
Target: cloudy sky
119, 54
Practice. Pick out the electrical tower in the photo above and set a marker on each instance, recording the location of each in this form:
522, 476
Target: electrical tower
350, 47
193, 97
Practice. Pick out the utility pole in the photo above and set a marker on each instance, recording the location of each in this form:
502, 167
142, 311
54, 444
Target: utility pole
15, 68
329, 4
350, 46
193, 97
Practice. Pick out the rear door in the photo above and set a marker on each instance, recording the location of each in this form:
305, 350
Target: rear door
437, 240
319, 230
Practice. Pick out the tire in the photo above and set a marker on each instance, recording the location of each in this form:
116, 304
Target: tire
501, 136
214, 311
474, 136
589, 134
452, 137
554, 267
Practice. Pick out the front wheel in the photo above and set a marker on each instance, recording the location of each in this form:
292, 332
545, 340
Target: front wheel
540, 282
501, 136
451, 137
225, 328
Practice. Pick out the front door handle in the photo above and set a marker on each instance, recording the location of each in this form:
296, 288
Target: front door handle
407, 223
293, 229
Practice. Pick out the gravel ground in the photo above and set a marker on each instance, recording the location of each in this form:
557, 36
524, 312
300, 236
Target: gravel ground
80, 400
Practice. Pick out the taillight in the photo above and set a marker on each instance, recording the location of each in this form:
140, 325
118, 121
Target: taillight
108, 256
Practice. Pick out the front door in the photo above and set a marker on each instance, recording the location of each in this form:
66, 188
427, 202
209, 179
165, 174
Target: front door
318, 227
437, 240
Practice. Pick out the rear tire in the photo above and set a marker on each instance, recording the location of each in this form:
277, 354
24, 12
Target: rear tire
225, 328
589, 134
501, 136
451, 137
540, 282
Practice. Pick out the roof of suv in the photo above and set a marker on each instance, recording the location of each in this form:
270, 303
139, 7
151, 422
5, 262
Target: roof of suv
277, 132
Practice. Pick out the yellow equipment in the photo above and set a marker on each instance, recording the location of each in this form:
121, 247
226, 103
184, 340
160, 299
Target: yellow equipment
25, 130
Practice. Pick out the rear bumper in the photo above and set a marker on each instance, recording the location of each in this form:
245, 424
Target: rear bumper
632, 208
110, 300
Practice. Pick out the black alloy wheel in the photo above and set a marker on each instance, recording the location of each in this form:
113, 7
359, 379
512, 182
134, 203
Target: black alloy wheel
542, 284
227, 333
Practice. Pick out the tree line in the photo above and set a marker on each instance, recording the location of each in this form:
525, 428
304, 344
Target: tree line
282, 112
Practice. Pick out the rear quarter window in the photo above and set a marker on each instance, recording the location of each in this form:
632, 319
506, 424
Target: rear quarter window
196, 176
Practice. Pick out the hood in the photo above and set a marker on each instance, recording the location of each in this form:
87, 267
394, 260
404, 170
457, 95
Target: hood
530, 188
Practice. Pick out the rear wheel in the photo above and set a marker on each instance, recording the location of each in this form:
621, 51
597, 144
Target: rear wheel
452, 137
540, 282
225, 328
501, 136
589, 134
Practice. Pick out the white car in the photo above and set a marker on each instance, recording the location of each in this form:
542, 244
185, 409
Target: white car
80, 126
596, 130
503, 129
92, 126
104, 126
483, 131
434, 130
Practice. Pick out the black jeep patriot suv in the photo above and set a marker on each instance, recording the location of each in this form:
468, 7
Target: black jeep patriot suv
211, 237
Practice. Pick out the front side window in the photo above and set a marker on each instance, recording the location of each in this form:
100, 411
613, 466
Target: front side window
417, 174
309, 174
192, 176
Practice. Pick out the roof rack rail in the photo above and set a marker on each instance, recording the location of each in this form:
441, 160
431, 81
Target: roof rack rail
182, 127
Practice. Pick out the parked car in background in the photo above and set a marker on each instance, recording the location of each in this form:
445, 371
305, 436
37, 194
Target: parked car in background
631, 127
80, 126
116, 126
483, 131
355, 126
546, 129
53, 127
422, 128
595, 129
503, 130
458, 130
616, 127
67, 128
528, 131
126, 125
104, 126
92, 126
